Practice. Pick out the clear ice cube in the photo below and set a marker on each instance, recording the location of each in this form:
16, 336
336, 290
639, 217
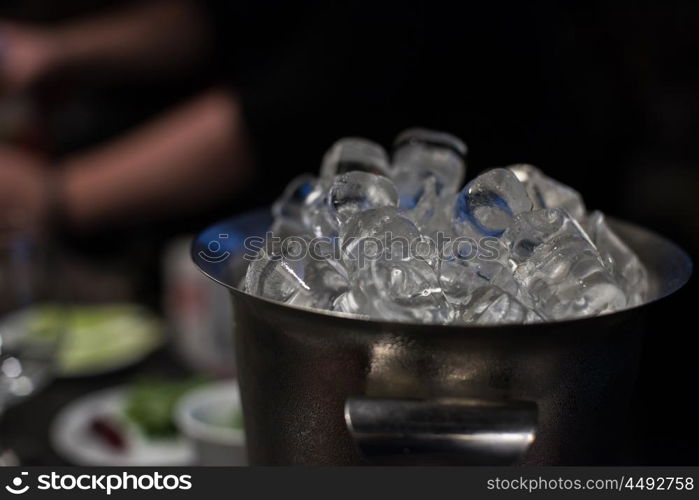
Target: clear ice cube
326, 280
353, 153
426, 207
619, 259
403, 290
489, 305
559, 267
421, 154
290, 203
284, 228
293, 276
321, 214
433, 213
462, 272
358, 191
374, 233
487, 204
546, 192
315, 214
352, 301
276, 277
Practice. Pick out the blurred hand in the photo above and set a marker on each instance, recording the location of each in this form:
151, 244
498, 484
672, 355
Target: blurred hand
24, 190
25, 55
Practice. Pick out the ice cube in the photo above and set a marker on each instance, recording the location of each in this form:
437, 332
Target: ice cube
315, 215
421, 154
372, 233
276, 277
403, 290
461, 273
290, 203
489, 305
284, 228
410, 186
358, 191
546, 192
560, 268
427, 206
619, 259
433, 214
350, 154
487, 204
351, 301
327, 280
289, 273
443, 216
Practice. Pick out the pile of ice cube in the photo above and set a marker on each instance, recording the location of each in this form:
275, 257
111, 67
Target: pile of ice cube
399, 240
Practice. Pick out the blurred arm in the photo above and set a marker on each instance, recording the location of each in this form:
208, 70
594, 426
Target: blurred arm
150, 37
154, 38
189, 159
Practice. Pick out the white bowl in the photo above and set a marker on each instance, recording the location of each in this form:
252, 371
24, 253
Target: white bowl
203, 416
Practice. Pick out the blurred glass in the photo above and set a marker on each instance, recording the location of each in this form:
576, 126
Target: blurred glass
198, 312
30, 319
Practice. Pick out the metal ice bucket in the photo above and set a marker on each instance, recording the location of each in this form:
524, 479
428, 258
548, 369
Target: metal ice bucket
323, 389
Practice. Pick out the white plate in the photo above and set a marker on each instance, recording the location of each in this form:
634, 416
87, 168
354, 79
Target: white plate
73, 440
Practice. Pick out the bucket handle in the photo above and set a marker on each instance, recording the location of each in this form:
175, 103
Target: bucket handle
449, 430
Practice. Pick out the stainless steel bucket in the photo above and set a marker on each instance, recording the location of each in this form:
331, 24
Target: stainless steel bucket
322, 389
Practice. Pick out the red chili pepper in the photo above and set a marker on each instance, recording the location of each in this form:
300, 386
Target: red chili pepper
109, 432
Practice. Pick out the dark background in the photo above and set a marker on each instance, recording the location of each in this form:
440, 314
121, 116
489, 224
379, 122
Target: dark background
601, 95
